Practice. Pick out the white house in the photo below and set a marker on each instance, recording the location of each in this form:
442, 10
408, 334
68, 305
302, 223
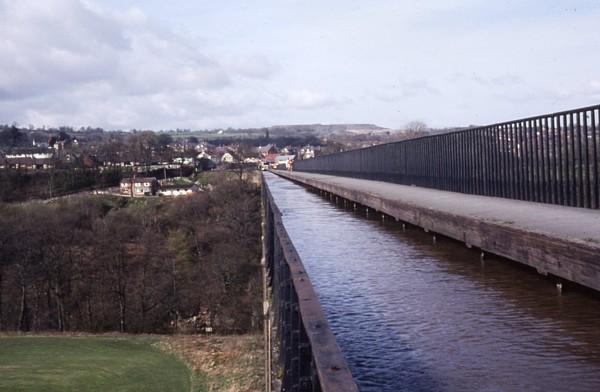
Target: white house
307, 152
177, 190
184, 160
142, 186
204, 155
227, 158
33, 153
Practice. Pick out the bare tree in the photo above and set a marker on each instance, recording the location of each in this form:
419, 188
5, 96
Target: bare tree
417, 128
96, 265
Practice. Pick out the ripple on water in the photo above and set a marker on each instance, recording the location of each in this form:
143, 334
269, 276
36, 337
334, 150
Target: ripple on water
413, 316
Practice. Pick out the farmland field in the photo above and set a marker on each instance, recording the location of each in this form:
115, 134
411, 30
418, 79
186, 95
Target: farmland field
89, 363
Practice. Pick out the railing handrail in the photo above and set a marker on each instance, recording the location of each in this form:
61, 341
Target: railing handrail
465, 130
551, 158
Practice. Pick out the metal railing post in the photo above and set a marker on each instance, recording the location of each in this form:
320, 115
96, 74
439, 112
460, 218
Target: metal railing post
551, 158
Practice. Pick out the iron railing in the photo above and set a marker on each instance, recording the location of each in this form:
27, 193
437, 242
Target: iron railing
553, 158
303, 354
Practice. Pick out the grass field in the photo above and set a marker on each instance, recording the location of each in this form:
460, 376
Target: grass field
124, 363
31, 363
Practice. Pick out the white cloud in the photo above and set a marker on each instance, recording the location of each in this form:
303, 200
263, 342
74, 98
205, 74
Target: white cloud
219, 64
73, 62
306, 99
251, 66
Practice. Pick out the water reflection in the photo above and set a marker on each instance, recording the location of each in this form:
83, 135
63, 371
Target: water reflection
411, 315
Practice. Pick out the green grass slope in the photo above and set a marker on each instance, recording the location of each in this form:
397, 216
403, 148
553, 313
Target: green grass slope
30, 363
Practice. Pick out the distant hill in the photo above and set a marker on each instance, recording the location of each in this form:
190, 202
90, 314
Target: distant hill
330, 128
289, 130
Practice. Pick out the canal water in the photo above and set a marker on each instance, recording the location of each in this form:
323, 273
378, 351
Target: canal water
411, 315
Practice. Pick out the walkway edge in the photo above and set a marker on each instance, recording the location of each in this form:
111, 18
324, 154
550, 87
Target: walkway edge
565, 258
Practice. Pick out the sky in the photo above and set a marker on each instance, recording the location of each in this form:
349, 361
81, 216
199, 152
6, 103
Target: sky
155, 64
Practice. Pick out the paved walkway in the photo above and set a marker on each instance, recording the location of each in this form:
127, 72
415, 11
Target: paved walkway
566, 223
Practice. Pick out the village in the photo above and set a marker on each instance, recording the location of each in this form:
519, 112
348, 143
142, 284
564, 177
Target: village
143, 164
67, 154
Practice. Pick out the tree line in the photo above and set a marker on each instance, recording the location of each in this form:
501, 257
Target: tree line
107, 264
20, 185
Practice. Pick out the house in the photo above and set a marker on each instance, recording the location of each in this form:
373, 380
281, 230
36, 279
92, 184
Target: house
269, 158
33, 153
284, 161
178, 190
39, 144
203, 155
307, 152
61, 145
269, 149
28, 163
227, 158
136, 187
183, 160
